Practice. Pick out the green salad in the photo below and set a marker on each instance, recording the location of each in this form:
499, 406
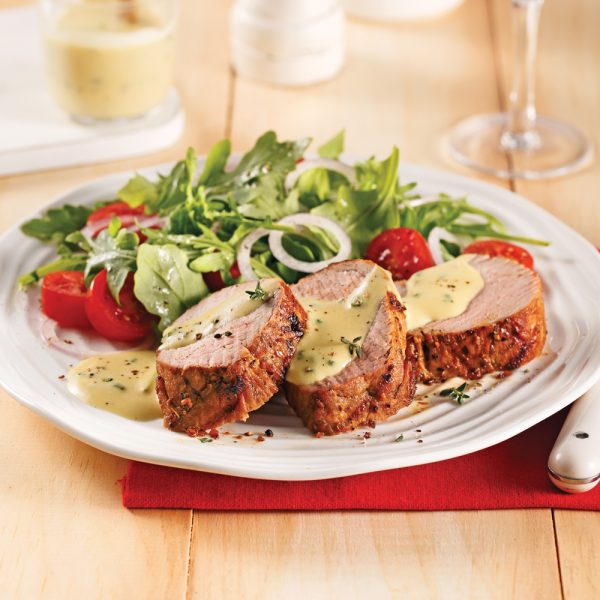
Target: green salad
274, 213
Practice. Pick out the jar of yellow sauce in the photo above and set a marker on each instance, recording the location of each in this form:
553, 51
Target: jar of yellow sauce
109, 59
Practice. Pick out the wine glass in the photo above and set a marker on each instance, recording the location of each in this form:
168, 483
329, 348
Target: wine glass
519, 143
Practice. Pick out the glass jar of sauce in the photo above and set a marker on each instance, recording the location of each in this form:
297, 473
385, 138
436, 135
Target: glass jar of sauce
109, 59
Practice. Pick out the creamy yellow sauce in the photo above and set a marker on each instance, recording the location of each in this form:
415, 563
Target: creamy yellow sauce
105, 63
121, 382
336, 329
234, 306
441, 292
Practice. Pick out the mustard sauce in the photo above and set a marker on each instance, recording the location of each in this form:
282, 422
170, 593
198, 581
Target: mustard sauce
107, 64
336, 329
235, 305
441, 292
121, 382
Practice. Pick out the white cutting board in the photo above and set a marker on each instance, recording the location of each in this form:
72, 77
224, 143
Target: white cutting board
35, 134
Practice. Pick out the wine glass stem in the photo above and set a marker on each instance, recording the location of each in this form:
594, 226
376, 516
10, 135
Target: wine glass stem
521, 132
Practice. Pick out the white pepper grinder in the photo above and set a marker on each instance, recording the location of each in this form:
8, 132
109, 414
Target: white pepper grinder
287, 42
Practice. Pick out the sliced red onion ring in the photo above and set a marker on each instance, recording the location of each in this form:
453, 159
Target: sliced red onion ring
82, 344
280, 253
320, 163
243, 254
130, 223
435, 235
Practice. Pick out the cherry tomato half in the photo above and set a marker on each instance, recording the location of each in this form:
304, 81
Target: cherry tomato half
500, 248
114, 209
402, 251
64, 298
215, 282
125, 323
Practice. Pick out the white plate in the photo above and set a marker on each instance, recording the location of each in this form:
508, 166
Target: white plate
570, 269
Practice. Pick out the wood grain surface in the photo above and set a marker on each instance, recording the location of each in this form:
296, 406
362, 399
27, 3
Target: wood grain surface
63, 532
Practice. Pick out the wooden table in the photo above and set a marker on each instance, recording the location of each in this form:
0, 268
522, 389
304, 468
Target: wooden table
63, 532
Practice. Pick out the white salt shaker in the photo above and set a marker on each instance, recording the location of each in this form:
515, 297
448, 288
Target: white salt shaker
287, 42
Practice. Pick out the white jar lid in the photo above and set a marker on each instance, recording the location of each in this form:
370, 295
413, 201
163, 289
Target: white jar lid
399, 10
291, 71
282, 39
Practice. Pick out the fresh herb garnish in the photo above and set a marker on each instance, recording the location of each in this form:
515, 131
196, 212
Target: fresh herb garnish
449, 249
258, 293
205, 440
358, 301
457, 394
353, 346
399, 438
119, 386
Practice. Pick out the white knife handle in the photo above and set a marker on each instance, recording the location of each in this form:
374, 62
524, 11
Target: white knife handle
574, 463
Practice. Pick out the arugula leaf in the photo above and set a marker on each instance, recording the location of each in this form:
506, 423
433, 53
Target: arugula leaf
192, 244
215, 261
164, 283
373, 207
206, 252
139, 190
259, 266
57, 223
171, 189
267, 156
214, 167
317, 185
75, 262
457, 216
114, 226
333, 147
267, 201
115, 254
487, 231
301, 248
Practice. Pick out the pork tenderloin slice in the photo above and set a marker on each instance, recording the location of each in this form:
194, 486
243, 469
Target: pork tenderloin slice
371, 387
235, 369
502, 329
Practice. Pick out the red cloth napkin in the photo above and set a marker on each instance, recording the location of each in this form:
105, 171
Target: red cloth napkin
509, 475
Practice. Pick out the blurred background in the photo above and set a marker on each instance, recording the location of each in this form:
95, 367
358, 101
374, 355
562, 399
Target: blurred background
405, 80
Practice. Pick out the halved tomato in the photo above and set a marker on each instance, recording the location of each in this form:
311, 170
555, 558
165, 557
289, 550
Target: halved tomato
114, 209
128, 322
500, 248
64, 298
402, 251
214, 280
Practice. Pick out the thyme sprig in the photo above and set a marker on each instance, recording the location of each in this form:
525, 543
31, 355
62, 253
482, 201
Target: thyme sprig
457, 394
258, 293
353, 346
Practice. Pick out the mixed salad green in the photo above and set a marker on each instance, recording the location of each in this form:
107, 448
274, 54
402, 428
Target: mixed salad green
189, 223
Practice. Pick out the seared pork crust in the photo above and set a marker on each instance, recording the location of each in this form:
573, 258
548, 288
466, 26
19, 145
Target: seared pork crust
371, 388
198, 397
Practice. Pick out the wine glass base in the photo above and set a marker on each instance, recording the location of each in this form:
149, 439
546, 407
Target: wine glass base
552, 149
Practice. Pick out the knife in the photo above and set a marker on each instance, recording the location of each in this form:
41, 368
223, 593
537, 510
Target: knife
574, 463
